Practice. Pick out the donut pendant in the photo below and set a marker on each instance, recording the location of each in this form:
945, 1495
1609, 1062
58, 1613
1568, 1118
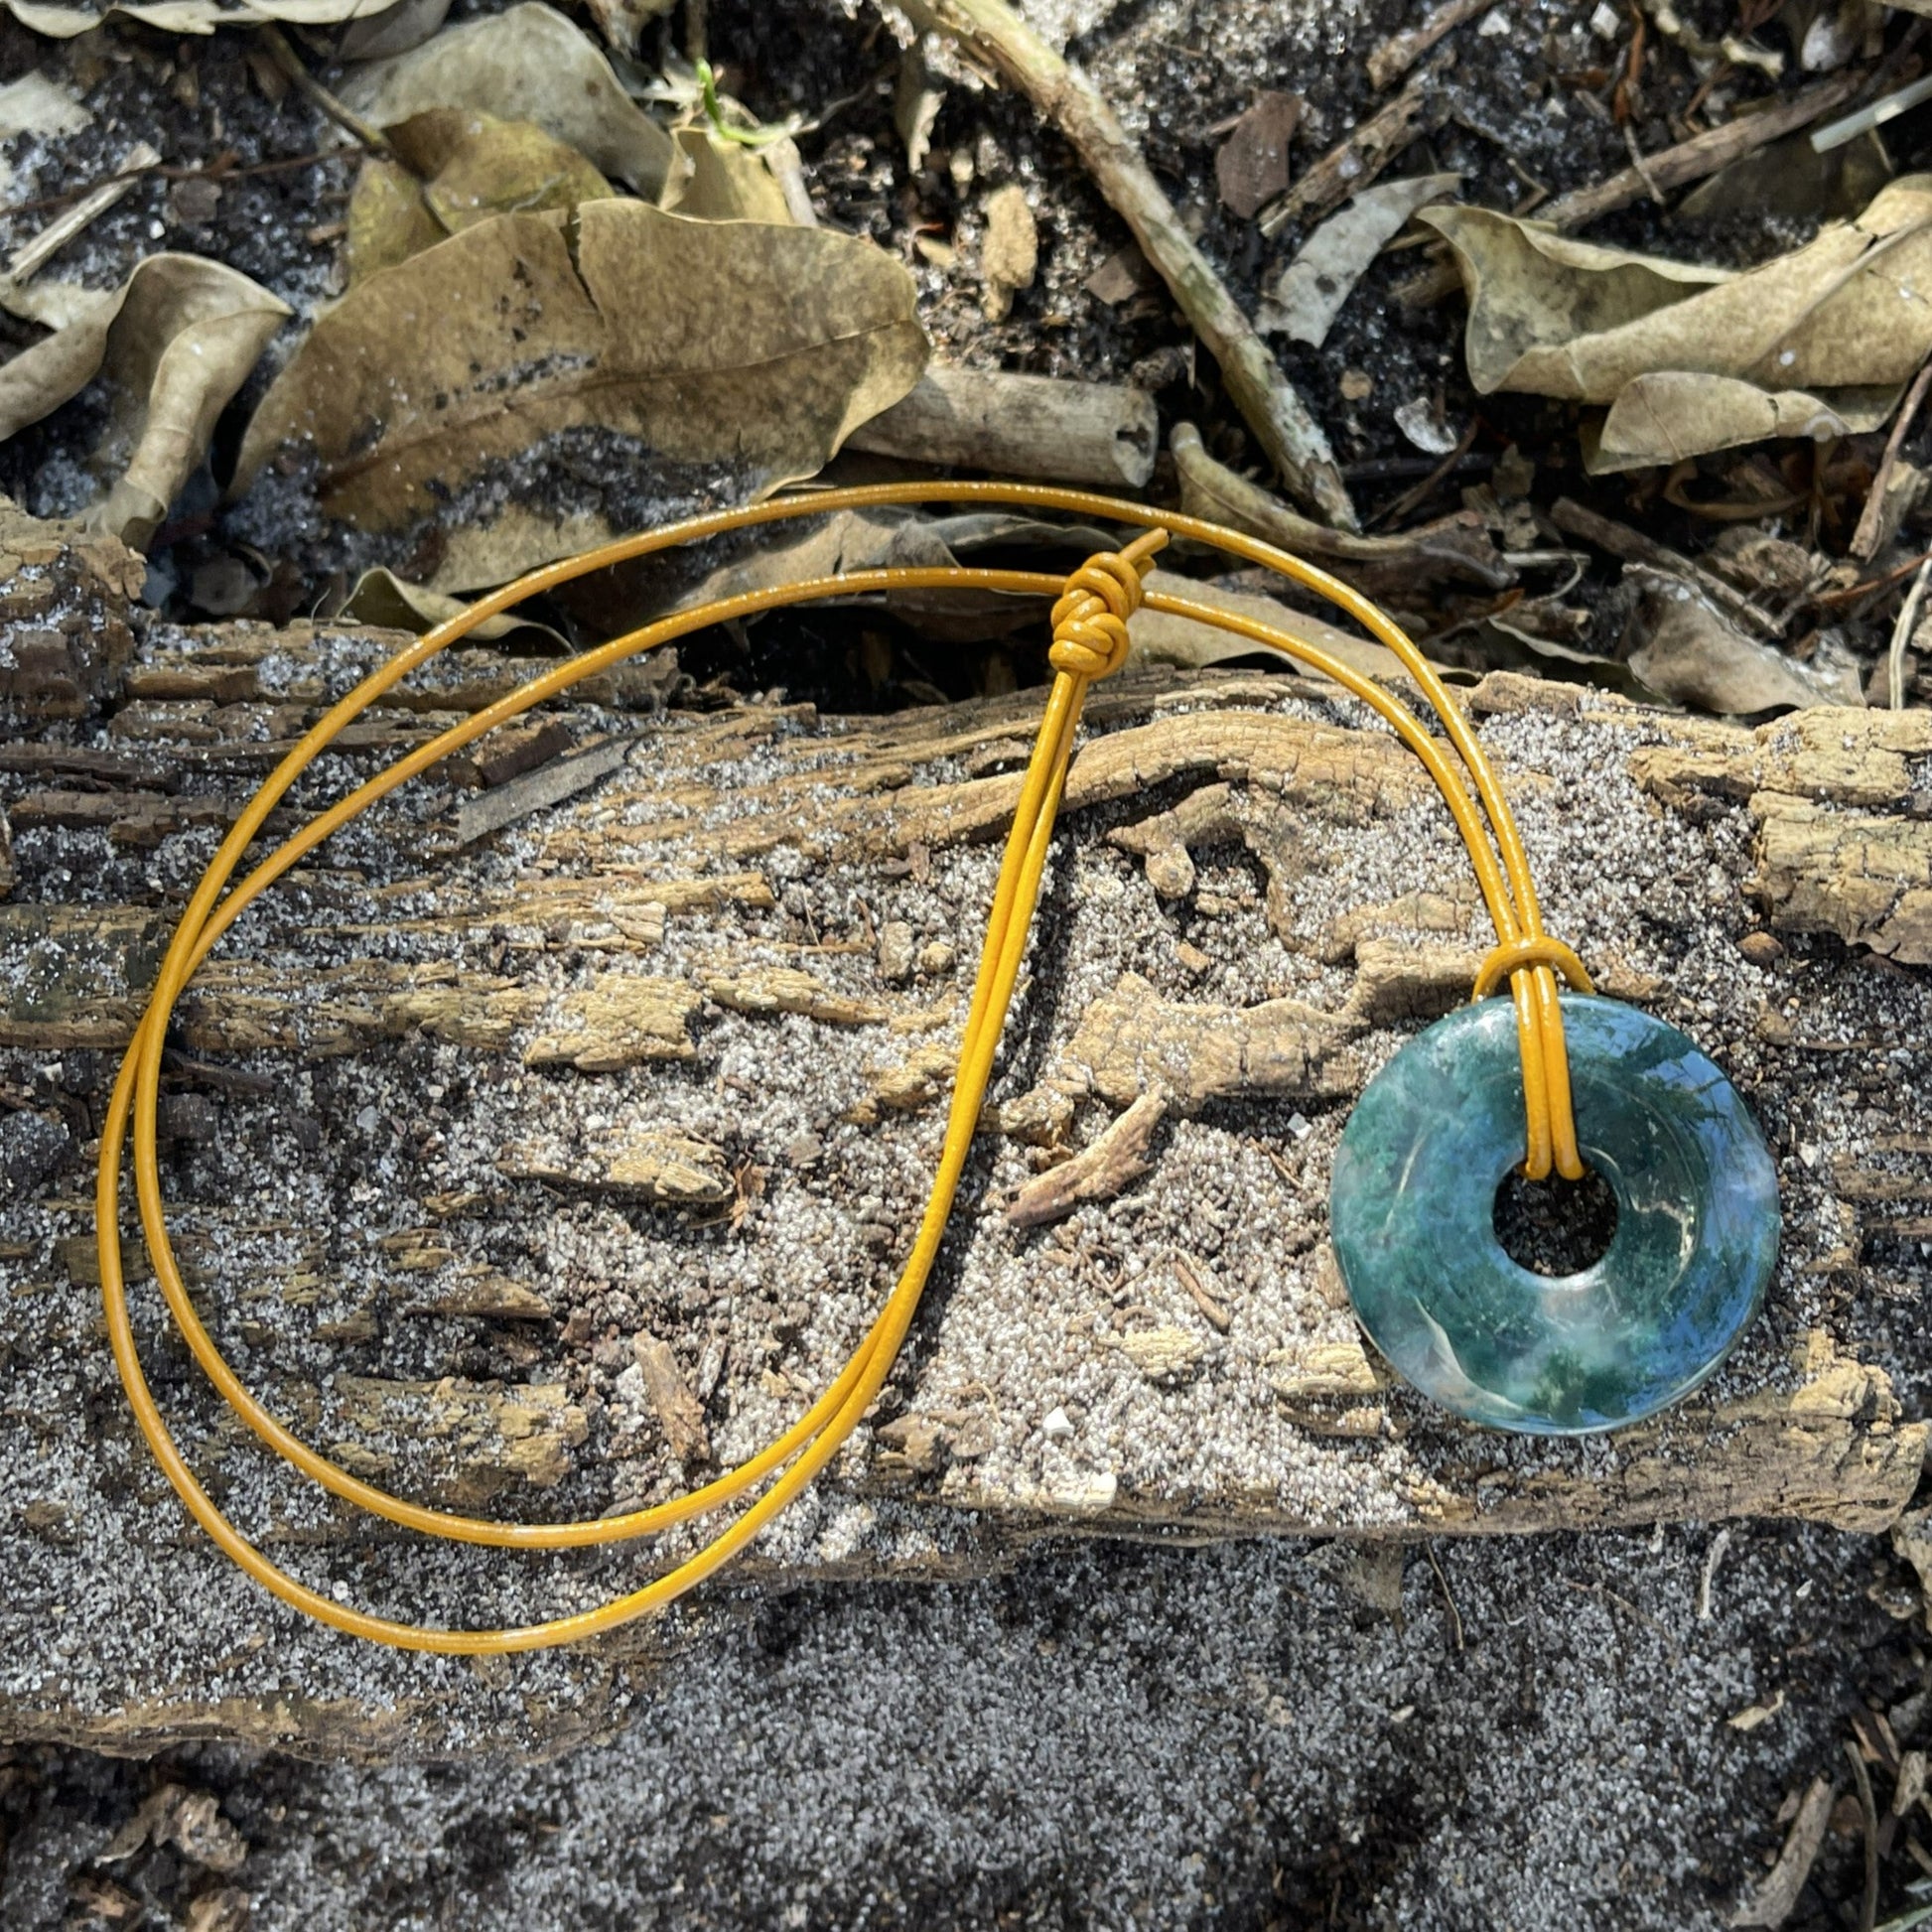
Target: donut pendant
1412, 1215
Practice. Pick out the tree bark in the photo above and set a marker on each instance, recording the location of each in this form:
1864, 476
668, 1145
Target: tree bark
546, 1169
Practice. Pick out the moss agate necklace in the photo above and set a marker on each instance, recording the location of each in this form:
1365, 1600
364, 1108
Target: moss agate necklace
1540, 1081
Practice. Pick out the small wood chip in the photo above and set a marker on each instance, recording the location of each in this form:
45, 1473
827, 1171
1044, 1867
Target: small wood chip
678, 1411
1772, 1902
1010, 253
1115, 1160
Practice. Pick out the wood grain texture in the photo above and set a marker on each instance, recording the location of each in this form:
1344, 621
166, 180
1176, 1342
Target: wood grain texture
558, 1166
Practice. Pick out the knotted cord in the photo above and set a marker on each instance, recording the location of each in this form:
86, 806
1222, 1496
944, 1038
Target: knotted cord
1089, 642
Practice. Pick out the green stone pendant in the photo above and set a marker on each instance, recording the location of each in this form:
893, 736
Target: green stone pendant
1412, 1215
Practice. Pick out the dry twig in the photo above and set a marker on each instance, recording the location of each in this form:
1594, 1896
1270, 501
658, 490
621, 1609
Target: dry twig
1633, 547
1400, 52
1701, 155
1901, 637
29, 259
1864, 539
1359, 157
1868, 1908
306, 85
1290, 436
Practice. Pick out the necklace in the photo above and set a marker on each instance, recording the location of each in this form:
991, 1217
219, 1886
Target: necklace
1493, 1087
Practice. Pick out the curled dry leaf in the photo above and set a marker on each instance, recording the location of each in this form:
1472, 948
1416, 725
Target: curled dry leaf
453, 167
715, 180
528, 63
1691, 655
918, 96
849, 540
1817, 342
172, 344
1312, 287
1159, 638
750, 349
390, 602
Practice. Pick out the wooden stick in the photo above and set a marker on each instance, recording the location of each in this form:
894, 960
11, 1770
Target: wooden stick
1291, 438
1400, 52
1027, 426
1864, 539
1703, 154
1633, 547
1357, 160
32, 256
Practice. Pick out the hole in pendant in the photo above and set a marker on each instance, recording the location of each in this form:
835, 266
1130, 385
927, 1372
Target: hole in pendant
1555, 1227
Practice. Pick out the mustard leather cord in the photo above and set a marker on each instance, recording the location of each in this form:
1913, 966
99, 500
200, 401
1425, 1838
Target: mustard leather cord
1090, 640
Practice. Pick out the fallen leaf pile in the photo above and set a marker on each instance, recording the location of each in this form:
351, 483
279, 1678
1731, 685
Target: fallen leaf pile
504, 291
573, 295
1689, 359
707, 342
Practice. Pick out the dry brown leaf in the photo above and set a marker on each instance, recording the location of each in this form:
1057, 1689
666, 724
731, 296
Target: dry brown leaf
453, 168
1693, 657
378, 36
850, 540
390, 602
174, 343
1790, 177
1159, 637
918, 96
1691, 359
713, 179
527, 64
1314, 286
64, 22
750, 349
1251, 165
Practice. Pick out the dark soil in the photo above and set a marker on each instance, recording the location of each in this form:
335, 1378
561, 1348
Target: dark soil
1524, 118
1537, 1736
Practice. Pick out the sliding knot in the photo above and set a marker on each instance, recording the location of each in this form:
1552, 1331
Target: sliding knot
1090, 617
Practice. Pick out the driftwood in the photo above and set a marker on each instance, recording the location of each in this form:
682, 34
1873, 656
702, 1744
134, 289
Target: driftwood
547, 1171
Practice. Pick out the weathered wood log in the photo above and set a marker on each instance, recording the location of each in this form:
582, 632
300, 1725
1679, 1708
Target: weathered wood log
1104, 433
545, 1170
